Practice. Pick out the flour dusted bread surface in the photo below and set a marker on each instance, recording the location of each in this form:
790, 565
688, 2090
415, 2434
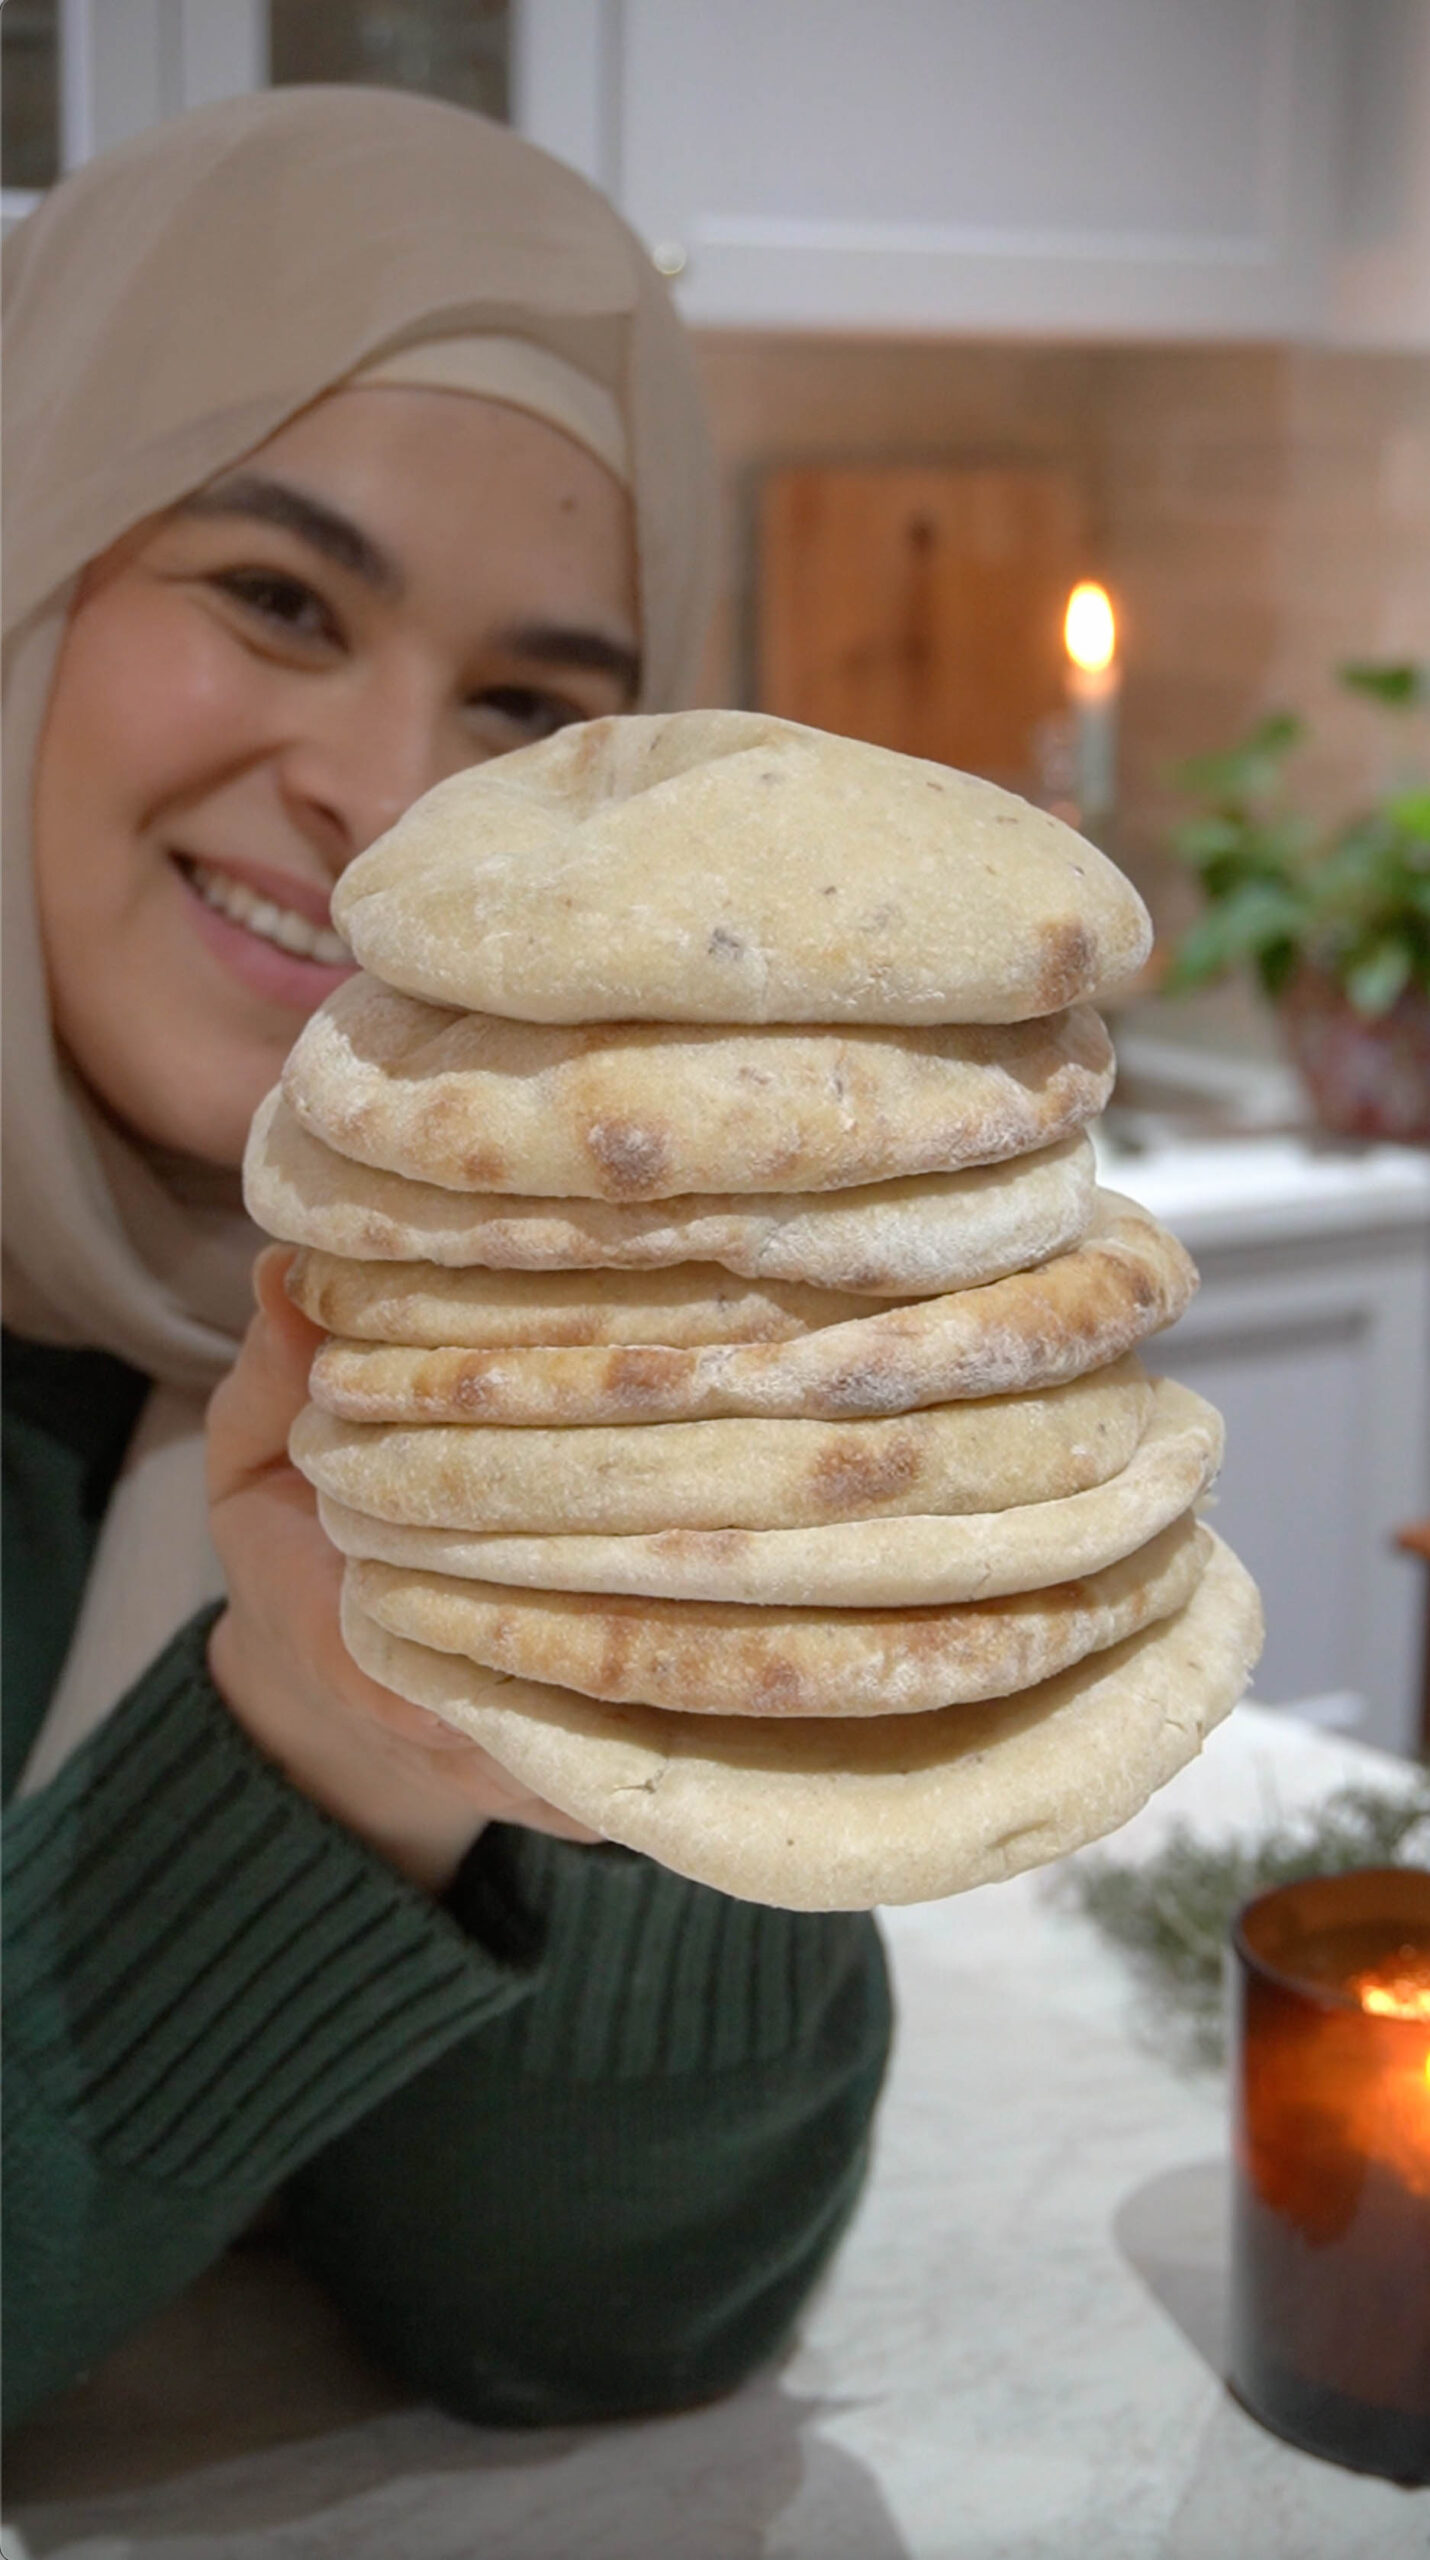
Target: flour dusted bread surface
421, 1305
899, 1561
1078, 1313
707, 1658
818, 1814
933, 1231
736, 1473
728, 867
650, 1111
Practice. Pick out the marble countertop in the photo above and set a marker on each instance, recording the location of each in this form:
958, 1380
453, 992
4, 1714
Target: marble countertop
1016, 2357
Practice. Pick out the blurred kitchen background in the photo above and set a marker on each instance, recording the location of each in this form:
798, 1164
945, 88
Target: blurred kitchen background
992, 297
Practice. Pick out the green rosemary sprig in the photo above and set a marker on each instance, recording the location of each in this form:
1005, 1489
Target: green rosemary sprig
1171, 1913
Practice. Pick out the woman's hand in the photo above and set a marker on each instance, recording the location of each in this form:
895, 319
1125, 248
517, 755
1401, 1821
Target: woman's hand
409, 1785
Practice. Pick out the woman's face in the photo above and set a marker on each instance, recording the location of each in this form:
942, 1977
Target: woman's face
256, 684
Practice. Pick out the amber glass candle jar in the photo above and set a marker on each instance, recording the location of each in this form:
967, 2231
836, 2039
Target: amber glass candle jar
1331, 2229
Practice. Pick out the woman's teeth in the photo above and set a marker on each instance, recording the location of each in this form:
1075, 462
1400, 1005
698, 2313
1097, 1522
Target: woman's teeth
271, 923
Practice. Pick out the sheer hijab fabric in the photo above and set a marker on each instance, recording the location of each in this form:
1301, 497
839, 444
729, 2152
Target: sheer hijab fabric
166, 310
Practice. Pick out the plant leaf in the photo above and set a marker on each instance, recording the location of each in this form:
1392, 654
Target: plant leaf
1410, 811
1380, 974
1171, 1914
1399, 684
1252, 919
1212, 838
1247, 771
1276, 966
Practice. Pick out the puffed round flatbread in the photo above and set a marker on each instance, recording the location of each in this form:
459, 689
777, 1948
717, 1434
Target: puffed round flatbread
840, 1814
907, 1561
934, 1231
650, 1111
704, 1657
633, 1479
726, 866
418, 1303
1076, 1313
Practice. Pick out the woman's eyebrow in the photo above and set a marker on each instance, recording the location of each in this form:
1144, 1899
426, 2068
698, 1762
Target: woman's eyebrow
277, 502
557, 644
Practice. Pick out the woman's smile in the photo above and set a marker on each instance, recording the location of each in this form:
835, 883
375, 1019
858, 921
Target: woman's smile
272, 932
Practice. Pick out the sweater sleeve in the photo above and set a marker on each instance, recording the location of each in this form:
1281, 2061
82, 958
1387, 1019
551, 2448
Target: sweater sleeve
616, 2197
207, 1981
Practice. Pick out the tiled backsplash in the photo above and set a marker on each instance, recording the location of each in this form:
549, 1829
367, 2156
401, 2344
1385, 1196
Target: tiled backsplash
1260, 514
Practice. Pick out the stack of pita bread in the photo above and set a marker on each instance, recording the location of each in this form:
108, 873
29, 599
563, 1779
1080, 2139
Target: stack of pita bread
732, 1409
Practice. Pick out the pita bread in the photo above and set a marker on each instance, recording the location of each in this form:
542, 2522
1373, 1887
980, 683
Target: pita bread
935, 1231
1035, 1329
909, 1561
838, 1814
649, 1111
726, 866
691, 1302
711, 1658
627, 1482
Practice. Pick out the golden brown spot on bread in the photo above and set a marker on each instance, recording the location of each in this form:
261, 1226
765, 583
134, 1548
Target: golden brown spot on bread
1070, 963
618, 1628
776, 1685
645, 1373
560, 1330
443, 1130
470, 1391
856, 1477
633, 1156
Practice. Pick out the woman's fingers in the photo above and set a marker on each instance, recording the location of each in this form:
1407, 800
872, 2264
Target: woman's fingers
253, 1411
403, 1779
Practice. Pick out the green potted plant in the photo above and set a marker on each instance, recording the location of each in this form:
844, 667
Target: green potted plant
1334, 923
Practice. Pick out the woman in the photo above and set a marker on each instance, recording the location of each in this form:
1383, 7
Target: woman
353, 441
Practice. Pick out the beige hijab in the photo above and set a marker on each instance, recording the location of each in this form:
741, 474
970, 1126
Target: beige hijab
167, 309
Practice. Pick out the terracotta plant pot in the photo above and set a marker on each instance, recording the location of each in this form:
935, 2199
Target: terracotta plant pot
1366, 1079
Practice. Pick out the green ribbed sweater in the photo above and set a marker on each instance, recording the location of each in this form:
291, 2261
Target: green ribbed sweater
574, 2143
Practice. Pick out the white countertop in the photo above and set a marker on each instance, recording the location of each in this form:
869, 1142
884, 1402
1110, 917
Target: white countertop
1015, 2357
1262, 1190
1223, 1150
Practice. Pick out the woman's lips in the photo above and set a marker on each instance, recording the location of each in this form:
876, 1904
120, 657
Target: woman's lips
297, 980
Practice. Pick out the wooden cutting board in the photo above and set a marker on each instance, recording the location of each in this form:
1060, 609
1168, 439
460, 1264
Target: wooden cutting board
919, 606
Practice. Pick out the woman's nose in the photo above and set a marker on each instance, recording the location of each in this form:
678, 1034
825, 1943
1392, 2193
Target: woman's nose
354, 771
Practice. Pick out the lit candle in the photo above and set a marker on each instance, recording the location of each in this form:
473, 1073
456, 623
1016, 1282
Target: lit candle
1331, 2250
1094, 681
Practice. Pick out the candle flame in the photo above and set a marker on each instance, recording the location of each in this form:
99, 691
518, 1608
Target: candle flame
1395, 1994
1090, 628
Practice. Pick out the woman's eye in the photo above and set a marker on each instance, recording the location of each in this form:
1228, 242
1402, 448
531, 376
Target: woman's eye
281, 600
523, 707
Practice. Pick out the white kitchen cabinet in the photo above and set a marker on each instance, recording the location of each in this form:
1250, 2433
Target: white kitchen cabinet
1117, 168
1311, 1334
1380, 280
123, 65
127, 64
1066, 166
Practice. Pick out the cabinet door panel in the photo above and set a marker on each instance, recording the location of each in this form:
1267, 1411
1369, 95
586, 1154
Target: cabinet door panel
1293, 1397
1093, 164
1317, 1353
